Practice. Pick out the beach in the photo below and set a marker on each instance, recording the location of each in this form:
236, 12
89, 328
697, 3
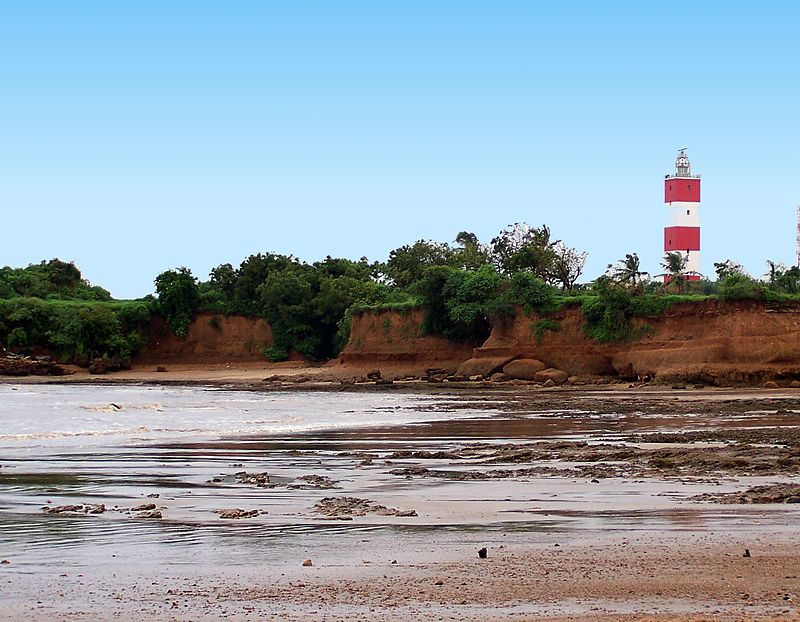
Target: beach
596, 503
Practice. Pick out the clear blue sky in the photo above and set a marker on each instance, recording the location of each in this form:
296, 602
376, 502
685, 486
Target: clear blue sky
140, 136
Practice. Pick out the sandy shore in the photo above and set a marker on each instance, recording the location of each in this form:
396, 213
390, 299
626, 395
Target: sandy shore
683, 576
585, 498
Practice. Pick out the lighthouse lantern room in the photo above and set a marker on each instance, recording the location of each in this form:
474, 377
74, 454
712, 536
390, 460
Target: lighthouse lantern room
682, 199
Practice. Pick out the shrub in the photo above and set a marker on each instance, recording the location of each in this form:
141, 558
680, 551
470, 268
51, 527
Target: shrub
275, 354
532, 293
738, 286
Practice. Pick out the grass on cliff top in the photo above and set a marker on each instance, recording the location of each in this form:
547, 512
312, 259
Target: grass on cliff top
401, 307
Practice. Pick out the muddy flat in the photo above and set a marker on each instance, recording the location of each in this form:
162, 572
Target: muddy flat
185, 503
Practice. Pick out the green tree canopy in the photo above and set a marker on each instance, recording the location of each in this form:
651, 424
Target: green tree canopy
178, 298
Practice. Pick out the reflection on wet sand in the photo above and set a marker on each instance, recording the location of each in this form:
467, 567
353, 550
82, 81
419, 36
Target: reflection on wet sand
510, 474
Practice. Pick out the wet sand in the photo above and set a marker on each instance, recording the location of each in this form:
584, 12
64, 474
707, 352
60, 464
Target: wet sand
585, 500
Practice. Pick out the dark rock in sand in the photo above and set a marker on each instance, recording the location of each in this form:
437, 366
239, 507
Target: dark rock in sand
237, 513
259, 479
144, 507
149, 514
375, 374
308, 563
483, 553
353, 506
61, 509
99, 366
319, 482
770, 493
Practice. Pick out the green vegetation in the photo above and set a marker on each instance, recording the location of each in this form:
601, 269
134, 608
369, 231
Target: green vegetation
75, 331
178, 298
462, 290
49, 279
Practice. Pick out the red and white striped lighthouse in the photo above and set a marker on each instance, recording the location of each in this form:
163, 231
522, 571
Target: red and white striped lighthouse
682, 199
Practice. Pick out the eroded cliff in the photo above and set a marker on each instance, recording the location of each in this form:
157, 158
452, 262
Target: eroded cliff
713, 342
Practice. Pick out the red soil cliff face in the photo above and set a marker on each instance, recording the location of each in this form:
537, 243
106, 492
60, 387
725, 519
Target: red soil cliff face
711, 342
391, 338
211, 337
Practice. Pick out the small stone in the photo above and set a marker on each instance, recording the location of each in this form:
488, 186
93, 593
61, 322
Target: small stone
795, 384
746, 553
770, 384
150, 514
483, 553
439, 582
308, 562
161, 369
5, 562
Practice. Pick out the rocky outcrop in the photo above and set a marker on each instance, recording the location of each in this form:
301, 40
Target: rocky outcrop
524, 369
16, 365
483, 366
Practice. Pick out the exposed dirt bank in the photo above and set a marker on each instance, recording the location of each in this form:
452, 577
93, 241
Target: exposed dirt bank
211, 337
710, 342
396, 341
718, 343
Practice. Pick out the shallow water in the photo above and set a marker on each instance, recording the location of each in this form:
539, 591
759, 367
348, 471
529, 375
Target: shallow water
180, 448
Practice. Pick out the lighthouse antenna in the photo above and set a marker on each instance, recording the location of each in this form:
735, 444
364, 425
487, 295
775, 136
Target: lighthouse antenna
798, 236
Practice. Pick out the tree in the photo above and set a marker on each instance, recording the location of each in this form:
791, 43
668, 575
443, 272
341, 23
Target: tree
783, 279
567, 265
675, 265
521, 247
407, 264
471, 254
178, 298
728, 267
627, 271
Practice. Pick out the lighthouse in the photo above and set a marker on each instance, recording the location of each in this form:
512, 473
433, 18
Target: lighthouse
682, 199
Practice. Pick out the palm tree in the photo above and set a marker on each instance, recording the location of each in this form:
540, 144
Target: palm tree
675, 265
627, 270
